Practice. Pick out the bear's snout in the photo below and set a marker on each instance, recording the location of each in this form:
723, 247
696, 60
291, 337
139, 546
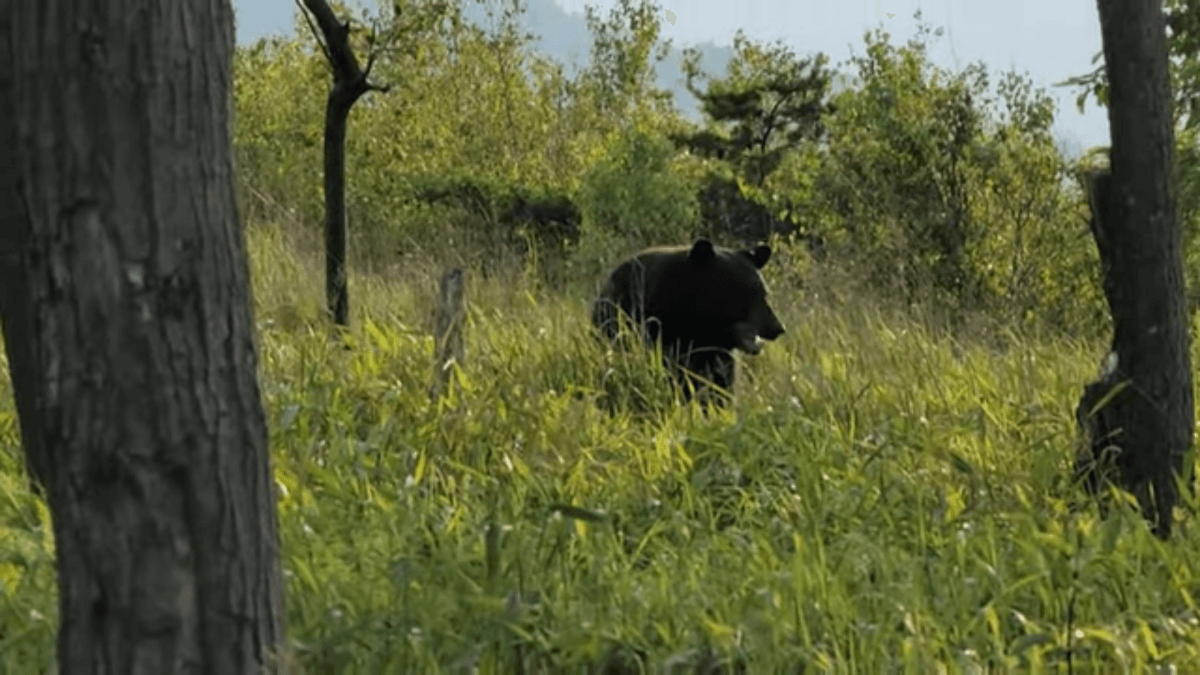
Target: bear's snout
772, 328
773, 331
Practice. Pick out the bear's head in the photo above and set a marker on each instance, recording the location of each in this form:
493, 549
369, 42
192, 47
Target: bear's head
731, 298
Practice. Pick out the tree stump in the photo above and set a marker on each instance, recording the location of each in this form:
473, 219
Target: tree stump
449, 316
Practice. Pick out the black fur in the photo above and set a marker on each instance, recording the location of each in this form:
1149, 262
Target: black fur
701, 301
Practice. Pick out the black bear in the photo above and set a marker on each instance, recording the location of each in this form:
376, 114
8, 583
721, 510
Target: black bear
702, 301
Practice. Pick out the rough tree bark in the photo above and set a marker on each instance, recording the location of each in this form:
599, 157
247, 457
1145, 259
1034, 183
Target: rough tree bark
349, 83
130, 336
14, 290
1139, 415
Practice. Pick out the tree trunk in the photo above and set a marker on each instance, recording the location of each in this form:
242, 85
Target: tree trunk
1146, 423
130, 335
15, 311
337, 292
349, 83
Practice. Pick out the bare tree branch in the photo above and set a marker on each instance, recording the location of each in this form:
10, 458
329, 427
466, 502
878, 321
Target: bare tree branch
346, 70
315, 33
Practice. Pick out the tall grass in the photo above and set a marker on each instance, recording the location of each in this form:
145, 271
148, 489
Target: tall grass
880, 498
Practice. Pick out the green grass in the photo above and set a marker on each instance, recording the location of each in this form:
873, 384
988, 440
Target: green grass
880, 499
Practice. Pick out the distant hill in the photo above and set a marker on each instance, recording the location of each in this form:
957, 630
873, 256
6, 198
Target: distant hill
564, 37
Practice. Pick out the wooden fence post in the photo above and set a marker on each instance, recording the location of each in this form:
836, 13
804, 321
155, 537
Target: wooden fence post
449, 346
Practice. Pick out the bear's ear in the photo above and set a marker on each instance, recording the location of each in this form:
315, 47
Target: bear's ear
759, 255
702, 251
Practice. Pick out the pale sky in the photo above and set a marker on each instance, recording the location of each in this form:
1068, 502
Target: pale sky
1051, 39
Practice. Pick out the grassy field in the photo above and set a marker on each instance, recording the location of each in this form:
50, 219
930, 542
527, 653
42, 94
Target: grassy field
880, 499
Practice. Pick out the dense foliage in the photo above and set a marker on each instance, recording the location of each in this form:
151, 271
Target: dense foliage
888, 494
934, 189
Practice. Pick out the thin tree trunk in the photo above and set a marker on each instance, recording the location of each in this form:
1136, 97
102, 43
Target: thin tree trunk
337, 293
349, 83
131, 336
1149, 418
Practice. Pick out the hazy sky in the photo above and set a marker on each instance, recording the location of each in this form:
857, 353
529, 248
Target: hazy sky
1051, 39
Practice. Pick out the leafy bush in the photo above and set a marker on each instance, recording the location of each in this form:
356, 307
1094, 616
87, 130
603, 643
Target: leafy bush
633, 198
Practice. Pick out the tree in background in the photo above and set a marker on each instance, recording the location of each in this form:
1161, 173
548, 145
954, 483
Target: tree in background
769, 104
1026, 253
126, 316
898, 168
350, 82
625, 47
632, 198
946, 190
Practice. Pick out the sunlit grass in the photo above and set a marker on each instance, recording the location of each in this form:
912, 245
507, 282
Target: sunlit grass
880, 498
